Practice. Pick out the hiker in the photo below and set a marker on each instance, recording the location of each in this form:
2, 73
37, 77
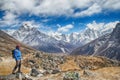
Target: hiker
17, 56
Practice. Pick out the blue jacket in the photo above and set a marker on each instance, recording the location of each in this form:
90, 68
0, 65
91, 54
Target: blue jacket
17, 54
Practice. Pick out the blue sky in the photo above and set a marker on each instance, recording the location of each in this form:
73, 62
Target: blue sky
63, 16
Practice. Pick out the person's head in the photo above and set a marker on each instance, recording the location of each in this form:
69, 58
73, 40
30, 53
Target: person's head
18, 47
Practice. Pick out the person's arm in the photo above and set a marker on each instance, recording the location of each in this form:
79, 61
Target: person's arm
21, 55
15, 55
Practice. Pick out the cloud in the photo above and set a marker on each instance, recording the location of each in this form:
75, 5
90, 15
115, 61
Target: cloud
54, 7
65, 28
110, 5
59, 7
94, 9
8, 19
9, 16
18, 6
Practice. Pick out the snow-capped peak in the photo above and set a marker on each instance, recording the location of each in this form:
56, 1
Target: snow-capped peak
27, 27
95, 26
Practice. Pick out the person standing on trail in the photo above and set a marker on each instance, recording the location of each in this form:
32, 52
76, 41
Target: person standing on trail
17, 56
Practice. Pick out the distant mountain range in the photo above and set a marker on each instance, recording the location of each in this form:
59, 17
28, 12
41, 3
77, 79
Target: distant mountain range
57, 42
107, 45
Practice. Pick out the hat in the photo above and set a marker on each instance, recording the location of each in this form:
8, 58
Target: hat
17, 47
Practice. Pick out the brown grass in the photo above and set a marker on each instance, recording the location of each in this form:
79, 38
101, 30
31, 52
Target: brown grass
69, 65
8, 64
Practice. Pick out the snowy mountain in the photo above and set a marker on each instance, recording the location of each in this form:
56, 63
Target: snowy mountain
107, 45
9, 31
58, 42
41, 41
91, 32
23, 31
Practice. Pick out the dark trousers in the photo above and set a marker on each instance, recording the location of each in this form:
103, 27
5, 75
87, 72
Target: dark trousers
18, 65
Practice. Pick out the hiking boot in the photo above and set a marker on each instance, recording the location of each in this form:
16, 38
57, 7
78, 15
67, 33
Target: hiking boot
19, 72
13, 72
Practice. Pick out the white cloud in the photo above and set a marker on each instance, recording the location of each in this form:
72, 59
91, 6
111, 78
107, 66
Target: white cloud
65, 28
8, 19
18, 6
54, 7
95, 8
80, 3
109, 4
59, 7
9, 16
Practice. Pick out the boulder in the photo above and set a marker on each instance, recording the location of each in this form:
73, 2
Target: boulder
34, 72
71, 76
89, 73
32, 61
38, 55
55, 71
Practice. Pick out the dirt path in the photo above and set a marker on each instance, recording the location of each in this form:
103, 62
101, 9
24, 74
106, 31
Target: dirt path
8, 64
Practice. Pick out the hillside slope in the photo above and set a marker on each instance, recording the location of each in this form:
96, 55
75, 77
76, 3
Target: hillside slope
8, 43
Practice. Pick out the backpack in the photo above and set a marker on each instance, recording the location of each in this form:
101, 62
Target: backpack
13, 54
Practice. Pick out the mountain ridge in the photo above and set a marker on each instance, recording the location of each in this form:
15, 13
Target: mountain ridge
59, 43
40, 41
107, 45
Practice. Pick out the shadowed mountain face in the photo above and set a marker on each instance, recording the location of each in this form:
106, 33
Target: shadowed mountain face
115, 36
107, 45
8, 43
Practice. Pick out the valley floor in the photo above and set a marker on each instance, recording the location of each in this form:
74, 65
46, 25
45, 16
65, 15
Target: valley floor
105, 73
